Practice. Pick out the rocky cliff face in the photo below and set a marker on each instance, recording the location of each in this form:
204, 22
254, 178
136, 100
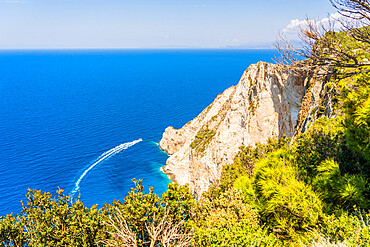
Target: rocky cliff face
266, 103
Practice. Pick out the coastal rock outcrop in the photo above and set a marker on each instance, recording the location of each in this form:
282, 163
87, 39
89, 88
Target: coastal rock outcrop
266, 103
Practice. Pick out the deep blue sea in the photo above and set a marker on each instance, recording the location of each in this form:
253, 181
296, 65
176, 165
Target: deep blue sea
65, 113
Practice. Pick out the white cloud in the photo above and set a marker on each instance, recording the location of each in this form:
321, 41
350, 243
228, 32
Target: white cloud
334, 19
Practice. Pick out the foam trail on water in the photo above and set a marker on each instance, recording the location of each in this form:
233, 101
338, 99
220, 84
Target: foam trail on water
103, 157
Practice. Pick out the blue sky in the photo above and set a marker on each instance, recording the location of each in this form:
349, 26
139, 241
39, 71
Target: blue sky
37, 24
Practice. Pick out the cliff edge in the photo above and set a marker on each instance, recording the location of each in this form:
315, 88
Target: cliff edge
266, 103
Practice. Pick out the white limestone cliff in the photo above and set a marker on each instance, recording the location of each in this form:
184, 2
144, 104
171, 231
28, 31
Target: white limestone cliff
264, 104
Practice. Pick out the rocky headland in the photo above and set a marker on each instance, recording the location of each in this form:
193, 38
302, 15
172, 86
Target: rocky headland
270, 101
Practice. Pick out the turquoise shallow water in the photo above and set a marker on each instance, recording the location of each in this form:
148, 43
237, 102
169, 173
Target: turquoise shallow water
64, 115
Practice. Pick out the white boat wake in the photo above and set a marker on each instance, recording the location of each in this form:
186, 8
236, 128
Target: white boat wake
103, 157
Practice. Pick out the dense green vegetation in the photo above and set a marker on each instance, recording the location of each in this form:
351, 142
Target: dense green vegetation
315, 190
143, 219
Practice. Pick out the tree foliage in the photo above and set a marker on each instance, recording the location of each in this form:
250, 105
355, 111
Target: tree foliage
355, 98
323, 43
227, 221
144, 219
149, 219
285, 203
48, 220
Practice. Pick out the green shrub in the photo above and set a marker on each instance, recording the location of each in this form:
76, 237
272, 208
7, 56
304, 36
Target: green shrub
227, 221
11, 231
143, 210
48, 220
243, 164
340, 191
61, 220
355, 98
346, 229
322, 141
286, 204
